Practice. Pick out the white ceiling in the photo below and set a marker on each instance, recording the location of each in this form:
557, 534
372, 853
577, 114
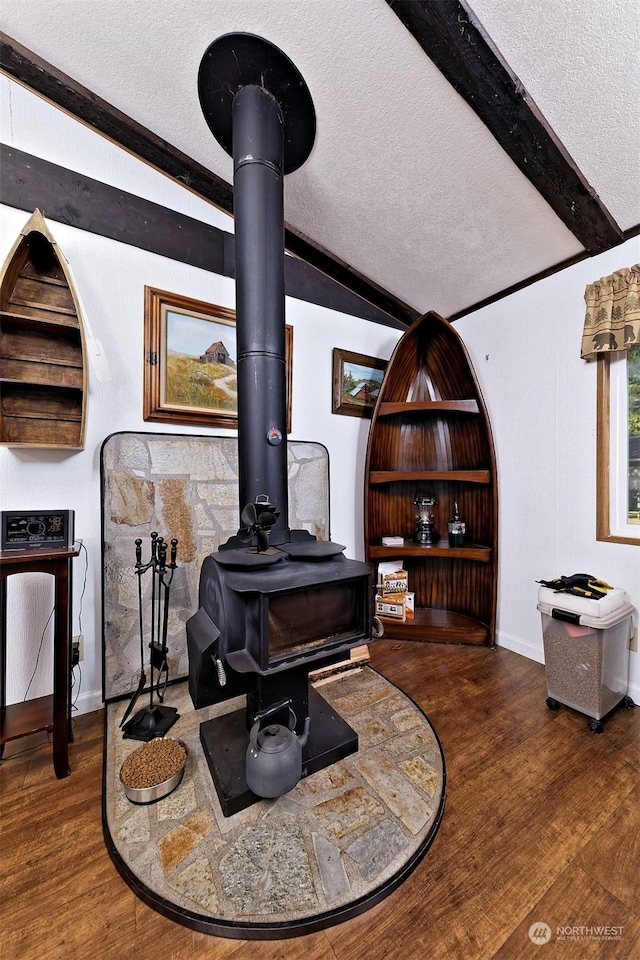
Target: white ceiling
404, 183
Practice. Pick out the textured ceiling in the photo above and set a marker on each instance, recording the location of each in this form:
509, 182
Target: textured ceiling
404, 184
580, 61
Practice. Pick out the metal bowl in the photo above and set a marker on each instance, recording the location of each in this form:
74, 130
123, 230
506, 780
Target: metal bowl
158, 790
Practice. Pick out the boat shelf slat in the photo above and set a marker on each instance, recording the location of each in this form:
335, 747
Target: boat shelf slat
393, 476
443, 626
52, 281
390, 409
53, 323
49, 307
471, 551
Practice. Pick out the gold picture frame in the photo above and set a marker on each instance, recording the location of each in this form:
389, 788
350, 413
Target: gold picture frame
190, 361
603, 457
357, 379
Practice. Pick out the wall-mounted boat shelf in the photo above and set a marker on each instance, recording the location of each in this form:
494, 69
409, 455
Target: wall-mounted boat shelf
42, 356
430, 432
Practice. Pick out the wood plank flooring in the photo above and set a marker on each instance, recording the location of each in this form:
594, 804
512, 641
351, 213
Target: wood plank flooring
541, 825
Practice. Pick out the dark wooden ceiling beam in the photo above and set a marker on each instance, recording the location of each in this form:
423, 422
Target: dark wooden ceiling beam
27, 182
454, 39
24, 66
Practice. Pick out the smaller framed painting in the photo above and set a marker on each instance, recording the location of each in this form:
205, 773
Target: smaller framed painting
356, 383
190, 369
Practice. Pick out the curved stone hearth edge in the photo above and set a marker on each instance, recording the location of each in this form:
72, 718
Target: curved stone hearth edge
341, 841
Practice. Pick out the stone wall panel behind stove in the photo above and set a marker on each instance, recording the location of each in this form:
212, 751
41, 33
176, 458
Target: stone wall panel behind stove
184, 487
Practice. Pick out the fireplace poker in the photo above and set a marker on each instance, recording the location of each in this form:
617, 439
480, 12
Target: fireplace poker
143, 676
160, 649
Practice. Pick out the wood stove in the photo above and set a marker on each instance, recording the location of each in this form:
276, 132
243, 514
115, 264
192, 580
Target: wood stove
267, 616
286, 615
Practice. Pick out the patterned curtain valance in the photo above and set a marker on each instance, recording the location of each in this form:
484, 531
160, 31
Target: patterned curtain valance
612, 321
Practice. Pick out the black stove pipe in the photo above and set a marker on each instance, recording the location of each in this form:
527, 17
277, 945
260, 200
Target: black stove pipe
257, 105
258, 147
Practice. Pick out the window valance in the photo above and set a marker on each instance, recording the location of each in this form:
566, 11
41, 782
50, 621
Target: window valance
612, 320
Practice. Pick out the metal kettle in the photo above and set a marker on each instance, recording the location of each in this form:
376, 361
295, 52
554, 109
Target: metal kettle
274, 754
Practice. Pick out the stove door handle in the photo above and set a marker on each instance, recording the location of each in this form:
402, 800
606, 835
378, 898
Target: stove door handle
220, 671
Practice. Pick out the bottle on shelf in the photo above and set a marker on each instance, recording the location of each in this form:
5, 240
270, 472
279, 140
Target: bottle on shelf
456, 528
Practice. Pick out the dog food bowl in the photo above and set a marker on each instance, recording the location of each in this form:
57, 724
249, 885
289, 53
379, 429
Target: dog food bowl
147, 762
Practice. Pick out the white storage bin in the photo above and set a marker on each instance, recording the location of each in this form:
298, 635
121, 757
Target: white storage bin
586, 659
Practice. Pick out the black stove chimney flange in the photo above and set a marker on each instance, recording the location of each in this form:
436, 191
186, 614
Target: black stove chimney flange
237, 60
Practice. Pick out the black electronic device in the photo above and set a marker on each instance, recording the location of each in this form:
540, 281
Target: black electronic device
36, 530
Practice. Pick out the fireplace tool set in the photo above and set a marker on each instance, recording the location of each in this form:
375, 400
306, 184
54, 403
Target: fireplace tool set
154, 720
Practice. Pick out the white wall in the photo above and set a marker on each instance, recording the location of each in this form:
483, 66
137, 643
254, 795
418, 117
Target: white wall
110, 278
541, 399
525, 349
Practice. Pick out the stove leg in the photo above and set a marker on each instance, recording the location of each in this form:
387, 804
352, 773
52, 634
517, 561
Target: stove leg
225, 740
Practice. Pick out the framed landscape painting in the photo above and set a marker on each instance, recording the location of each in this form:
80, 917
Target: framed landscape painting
356, 383
190, 363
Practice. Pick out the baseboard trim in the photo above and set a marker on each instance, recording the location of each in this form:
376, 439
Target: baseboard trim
86, 703
532, 651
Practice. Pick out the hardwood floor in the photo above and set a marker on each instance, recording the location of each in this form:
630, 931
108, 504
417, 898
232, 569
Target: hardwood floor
541, 826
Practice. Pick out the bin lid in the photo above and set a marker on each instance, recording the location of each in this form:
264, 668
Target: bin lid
597, 623
612, 600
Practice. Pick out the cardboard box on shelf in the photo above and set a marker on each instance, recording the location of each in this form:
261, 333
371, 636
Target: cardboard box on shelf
393, 579
395, 585
393, 600
409, 606
393, 541
390, 611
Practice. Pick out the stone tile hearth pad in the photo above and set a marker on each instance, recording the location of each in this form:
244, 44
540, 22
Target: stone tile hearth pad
343, 836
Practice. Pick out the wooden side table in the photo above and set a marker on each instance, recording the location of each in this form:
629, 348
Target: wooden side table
52, 712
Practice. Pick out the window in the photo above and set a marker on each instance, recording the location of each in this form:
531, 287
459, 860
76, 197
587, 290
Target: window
618, 447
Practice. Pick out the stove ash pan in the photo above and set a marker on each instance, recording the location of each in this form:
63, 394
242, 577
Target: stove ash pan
263, 622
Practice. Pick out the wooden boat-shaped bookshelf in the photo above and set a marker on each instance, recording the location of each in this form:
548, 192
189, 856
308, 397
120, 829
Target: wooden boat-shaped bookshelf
430, 432
43, 377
